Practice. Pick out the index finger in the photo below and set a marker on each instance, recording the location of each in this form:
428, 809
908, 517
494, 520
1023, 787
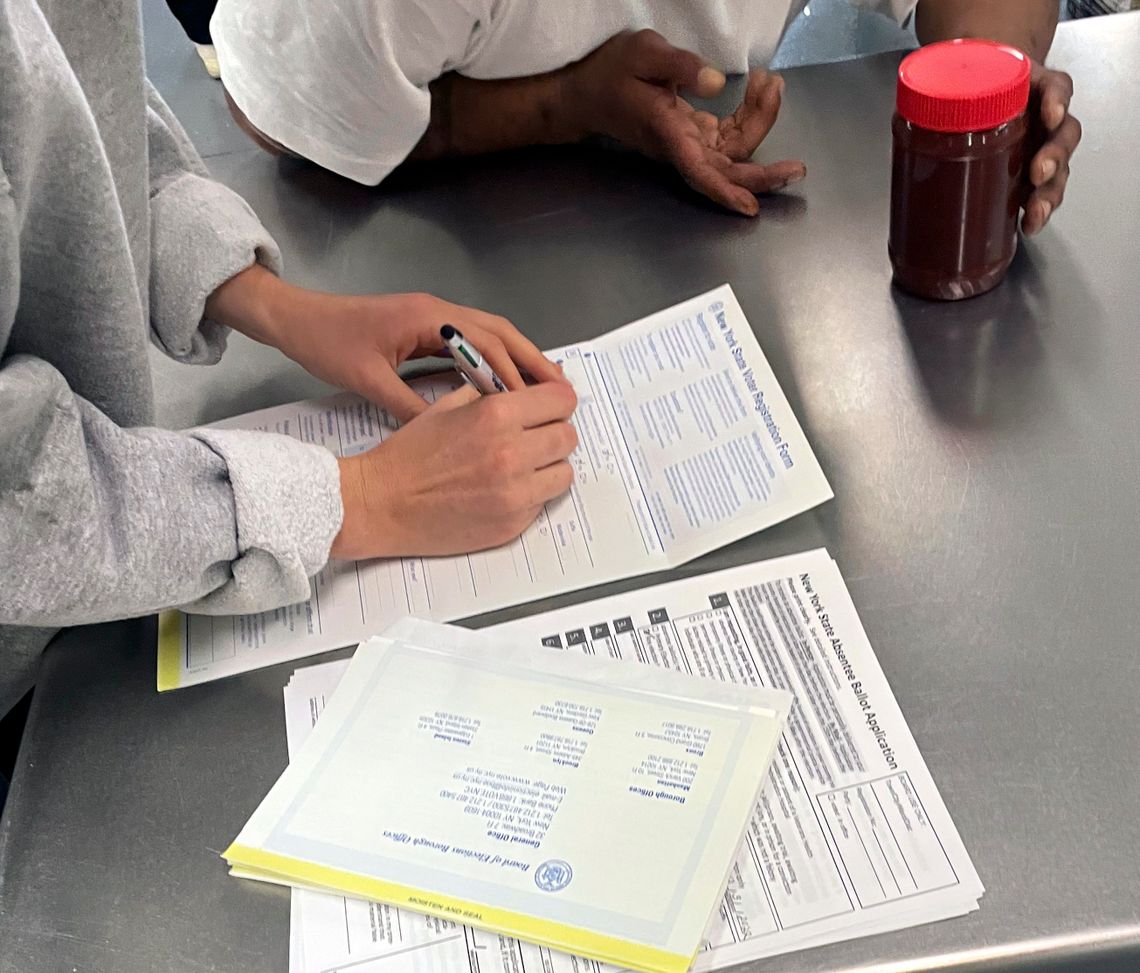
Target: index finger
524, 353
499, 358
703, 176
750, 124
535, 405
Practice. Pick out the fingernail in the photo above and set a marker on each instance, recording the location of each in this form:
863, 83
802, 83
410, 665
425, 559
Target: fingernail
1056, 116
710, 79
1048, 170
1043, 211
797, 177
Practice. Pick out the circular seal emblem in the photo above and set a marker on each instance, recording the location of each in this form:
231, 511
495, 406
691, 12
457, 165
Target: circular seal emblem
553, 876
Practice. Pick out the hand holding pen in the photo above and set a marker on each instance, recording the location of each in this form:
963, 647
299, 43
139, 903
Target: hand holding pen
359, 343
470, 363
471, 471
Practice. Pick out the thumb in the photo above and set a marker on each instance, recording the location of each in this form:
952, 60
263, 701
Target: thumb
657, 61
464, 395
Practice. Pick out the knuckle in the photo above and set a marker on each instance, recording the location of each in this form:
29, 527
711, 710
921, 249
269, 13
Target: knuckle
495, 410
650, 45
503, 458
420, 303
484, 425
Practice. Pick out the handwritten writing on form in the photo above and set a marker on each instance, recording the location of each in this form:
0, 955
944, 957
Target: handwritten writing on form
850, 836
687, 443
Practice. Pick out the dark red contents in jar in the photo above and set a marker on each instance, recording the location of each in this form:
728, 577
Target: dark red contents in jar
957, 172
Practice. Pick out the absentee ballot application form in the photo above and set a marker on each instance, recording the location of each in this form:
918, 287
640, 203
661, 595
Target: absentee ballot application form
850, 836
686, 444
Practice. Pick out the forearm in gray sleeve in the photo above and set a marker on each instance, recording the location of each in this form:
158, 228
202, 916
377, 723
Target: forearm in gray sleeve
201, 235
99, 522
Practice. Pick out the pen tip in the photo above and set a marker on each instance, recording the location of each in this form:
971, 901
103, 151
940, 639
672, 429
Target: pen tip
447, 332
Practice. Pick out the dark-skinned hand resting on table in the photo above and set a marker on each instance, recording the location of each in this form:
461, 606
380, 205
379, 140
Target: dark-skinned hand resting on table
635, 88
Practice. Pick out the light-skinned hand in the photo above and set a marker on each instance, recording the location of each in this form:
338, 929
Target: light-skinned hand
469, 473
358, 343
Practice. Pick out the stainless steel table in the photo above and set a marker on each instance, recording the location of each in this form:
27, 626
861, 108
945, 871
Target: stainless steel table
984, 456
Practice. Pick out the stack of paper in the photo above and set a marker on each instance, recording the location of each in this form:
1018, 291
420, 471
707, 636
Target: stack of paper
463, 776
849, 837
686, 444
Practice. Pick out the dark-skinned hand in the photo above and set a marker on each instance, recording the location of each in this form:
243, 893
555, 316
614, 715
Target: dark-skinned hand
1058, 134
630, 90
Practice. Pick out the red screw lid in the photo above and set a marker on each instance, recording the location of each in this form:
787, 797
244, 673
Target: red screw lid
963, 85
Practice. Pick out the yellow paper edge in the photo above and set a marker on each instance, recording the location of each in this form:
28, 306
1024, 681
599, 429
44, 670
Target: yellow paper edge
169, 650
582, 942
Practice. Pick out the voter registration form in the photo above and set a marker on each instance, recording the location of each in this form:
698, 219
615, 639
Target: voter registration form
686, 444
849, 838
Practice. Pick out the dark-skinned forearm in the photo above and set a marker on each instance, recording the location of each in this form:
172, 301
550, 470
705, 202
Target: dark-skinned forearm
470, 117
1027, 24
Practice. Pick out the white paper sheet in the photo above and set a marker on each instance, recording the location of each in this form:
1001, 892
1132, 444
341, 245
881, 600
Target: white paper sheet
687, 443
850, 836
454, 769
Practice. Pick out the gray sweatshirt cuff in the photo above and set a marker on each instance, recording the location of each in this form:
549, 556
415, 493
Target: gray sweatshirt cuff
288, 508
202, 234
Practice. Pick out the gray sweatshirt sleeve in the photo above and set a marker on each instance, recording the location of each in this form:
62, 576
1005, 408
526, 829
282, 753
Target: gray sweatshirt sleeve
99, 522
201, 235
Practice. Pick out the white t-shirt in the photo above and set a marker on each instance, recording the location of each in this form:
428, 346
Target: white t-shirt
345, 82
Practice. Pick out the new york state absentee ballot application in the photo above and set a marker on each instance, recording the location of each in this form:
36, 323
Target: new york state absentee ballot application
686, 444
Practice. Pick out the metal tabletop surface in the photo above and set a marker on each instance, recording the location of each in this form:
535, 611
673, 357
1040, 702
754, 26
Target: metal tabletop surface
984, 455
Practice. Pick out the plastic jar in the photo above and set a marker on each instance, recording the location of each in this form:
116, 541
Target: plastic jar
957, 179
